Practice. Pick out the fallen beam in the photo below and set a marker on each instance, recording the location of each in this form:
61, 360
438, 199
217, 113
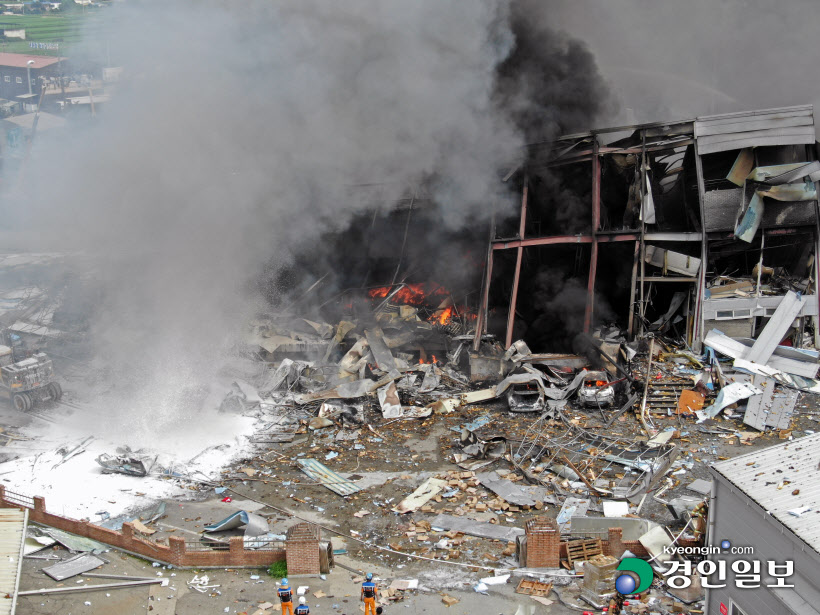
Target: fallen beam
87, 588
768, 340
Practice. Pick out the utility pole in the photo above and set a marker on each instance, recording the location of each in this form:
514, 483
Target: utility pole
28, 74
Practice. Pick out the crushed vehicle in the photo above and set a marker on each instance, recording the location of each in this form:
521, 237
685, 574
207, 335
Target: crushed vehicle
29, 381
526, 397
122, 464
597, 390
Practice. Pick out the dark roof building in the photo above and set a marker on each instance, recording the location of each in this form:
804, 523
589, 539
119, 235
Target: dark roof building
15, 68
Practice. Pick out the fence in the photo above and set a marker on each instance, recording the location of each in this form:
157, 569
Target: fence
18, 499
178, 551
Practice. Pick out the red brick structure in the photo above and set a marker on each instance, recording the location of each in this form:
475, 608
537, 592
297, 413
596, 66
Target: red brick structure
177, 552
303, 549
615, 545
543, 543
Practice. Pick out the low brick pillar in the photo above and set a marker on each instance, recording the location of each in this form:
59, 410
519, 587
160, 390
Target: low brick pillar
543, 543
127, 531
177, 545
615, 544
236, 545
39, 504
303, 549
2, 493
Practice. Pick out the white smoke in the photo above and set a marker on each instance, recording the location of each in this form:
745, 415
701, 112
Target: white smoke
230, 143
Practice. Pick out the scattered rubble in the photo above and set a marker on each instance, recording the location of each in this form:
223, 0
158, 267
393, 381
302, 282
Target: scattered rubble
406, 429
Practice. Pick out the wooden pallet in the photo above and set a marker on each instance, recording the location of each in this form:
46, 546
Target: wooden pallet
582, 550
533, 588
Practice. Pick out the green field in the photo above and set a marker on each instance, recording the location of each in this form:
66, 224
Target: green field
68, 29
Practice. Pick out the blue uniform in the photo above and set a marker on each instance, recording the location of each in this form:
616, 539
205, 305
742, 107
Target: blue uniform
286, 596
369, 597
302, 609
285, 593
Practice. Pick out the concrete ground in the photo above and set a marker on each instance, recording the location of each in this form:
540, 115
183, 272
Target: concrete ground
391, 465
239, 592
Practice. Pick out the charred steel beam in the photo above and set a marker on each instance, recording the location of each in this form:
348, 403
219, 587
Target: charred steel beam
789, 230
586, 155
642, 263
506, 244
811, 152
697, 330
593, 271
674, 236
481, 322
653, 128
589, 309
660, 278
519, 256
649, 148
817, 265
631, 324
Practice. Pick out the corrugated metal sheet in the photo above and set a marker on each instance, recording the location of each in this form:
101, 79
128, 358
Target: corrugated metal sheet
758, 475
721, 208
13, 523
784, 126
327, 477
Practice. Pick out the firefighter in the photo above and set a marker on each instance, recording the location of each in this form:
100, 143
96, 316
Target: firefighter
303, 608
286, 597
369, 595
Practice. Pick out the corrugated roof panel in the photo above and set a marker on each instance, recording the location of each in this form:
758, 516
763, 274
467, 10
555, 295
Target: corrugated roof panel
786, 126
12, 536
327, 477
740, 125
762, 475
781, 111
756, 138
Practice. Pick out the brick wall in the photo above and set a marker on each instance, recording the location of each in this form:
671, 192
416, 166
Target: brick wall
543, 543
303, 549
615, 546
174, 553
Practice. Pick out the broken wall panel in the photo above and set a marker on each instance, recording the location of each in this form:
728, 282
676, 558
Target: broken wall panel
670, 261
721, 209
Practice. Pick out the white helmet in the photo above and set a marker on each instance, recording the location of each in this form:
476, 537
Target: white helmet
302, 600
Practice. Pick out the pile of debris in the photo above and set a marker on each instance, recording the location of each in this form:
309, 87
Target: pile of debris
591, 441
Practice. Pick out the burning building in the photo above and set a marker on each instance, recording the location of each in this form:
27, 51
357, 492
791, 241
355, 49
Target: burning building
677, 226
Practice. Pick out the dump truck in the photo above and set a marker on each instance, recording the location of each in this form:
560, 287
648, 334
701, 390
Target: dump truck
27, 382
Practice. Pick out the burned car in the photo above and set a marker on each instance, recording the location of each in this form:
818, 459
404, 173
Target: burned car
597, 390
525, 397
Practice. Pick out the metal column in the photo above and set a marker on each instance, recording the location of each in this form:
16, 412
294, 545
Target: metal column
697, 333
519, 256
596, 222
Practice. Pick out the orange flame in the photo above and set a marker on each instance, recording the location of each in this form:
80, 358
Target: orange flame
409, 294
421, 294
442, 317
